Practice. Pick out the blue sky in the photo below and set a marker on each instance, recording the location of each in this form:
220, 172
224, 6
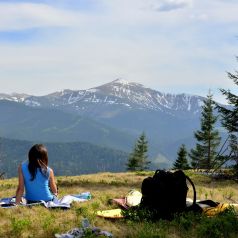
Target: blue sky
174, 46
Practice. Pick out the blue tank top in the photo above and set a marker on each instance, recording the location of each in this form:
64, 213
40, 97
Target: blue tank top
38, 189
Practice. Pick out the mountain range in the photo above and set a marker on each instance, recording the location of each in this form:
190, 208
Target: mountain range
110, 115
118, 94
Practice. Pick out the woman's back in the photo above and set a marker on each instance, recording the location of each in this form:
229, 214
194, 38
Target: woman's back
36, 177
38, 188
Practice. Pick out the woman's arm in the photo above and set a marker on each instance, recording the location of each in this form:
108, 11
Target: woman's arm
20, 188
53, 186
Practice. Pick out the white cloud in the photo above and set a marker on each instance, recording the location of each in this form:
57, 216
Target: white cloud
184, 50
169, 5
18, 16
216, 11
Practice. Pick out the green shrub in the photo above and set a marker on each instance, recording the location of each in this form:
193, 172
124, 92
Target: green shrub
224, 225
19, 225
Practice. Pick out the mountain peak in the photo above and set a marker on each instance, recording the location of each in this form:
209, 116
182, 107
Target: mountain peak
124, 82
120, 84
121, 81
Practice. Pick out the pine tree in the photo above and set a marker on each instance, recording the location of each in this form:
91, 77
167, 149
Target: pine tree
181, 162
196, 155
133, 162
205, 153
230, 121
137, 160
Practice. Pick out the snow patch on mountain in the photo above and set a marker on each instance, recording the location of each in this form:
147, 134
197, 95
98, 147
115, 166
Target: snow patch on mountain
14, 97
32, 103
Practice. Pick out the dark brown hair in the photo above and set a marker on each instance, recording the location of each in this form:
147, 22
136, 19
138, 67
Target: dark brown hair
38, 158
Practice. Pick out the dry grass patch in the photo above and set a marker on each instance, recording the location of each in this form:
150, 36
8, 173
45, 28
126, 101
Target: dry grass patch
39, 222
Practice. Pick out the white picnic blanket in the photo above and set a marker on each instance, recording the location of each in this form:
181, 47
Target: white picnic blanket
64, 202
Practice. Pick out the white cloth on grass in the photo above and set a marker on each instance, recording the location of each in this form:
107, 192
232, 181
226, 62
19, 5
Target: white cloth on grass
63, 202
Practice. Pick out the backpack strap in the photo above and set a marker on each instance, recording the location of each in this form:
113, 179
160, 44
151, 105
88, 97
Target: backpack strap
194, 207
194, 190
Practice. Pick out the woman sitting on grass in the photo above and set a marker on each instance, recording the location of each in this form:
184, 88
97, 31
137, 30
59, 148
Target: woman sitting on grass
36, 177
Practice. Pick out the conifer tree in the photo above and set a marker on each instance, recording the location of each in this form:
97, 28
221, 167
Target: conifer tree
137, 160
204, 155
181, 162
230, 121
133, 163
196, 156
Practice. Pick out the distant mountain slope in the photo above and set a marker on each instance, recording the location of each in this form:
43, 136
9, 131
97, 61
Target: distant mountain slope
18, 121
167, 119
66, 158
119, 94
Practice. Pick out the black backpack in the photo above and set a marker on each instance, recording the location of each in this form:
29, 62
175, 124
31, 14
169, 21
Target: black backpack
164, 194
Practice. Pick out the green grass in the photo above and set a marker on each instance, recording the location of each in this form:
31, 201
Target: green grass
40, 222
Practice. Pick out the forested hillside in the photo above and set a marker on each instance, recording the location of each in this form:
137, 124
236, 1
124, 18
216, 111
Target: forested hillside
66, 158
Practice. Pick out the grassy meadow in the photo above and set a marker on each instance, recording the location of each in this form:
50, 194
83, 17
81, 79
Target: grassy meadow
40, 222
